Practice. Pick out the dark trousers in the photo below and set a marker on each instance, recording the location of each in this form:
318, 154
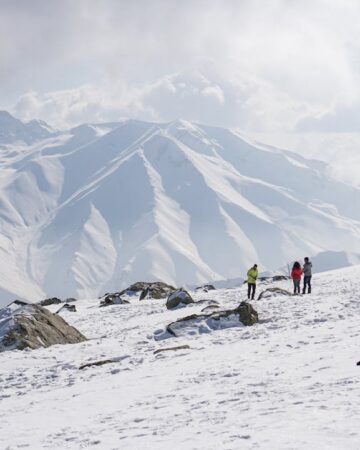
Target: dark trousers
251, 290
307, 282
296, 286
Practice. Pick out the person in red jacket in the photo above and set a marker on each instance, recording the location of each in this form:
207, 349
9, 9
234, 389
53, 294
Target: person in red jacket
296, 276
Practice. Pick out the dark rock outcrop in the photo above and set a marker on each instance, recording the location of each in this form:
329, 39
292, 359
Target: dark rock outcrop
244, 314
143, 290
178, 298
155, 290
273, 292
113, 299
167, 349
71, 308
274, 278
102, 362
205, 288
32, 326
50, 301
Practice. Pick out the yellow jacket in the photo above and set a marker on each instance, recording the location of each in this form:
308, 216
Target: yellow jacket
252, 275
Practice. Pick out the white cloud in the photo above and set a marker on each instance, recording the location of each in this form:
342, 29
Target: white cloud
262, 66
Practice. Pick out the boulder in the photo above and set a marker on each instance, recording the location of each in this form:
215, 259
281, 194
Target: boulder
178, 298
68, 307
280, 278
24, 325
113, 299
155, 291
205, 288
273, 292
141, 289
243, 315
274, 278
50, 301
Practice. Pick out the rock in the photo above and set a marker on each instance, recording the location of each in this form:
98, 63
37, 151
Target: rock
70, 300
180, 297
273, 292
24, 325
274, 278
142, 289
113, 299
244, 314
205, 288
179, 347
50, 301
280, 278
103, 362
210, 308
71, 308
139, 286
207, 300
247, 314
156, 291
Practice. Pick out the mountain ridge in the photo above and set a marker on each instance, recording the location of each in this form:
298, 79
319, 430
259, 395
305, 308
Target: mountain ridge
99, 206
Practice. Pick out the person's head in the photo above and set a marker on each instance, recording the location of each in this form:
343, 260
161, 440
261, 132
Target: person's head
255, 266
296, 265
306, 259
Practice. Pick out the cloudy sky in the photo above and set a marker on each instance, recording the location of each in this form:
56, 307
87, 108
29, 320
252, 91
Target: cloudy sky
285, 71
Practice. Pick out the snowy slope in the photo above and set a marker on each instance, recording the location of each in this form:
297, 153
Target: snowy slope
100, 206
289, 382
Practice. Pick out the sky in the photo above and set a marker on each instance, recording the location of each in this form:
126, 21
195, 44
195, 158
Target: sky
283, 71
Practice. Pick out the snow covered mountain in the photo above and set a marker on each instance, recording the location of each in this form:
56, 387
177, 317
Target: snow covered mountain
14, 131
97, 207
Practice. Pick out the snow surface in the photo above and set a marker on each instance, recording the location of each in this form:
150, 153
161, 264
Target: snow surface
289, 382
98, 207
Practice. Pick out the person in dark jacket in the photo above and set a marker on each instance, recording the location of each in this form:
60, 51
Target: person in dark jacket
307, 271
296, 276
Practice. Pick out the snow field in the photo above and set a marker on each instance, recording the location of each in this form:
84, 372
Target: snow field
289, 382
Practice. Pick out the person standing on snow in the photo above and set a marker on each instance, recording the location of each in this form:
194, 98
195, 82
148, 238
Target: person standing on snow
252, 275
296, 276
307, 271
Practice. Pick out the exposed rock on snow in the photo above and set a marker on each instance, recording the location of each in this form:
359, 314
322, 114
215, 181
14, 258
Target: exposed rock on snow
113, 299
103, 362
210, 308
205, 288
68, 307
274, 278
273, 292
32, 326
167, 349
142, 290
155, 290
244, 314
178, 298
50, 301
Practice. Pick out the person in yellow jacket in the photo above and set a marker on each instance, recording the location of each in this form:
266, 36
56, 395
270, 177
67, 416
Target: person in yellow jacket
252, 275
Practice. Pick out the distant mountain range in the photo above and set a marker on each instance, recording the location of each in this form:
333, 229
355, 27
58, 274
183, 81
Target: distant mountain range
94, 208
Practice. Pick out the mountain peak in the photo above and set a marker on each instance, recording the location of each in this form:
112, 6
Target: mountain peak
13, 130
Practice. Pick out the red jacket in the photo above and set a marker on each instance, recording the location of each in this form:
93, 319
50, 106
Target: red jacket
296, 274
